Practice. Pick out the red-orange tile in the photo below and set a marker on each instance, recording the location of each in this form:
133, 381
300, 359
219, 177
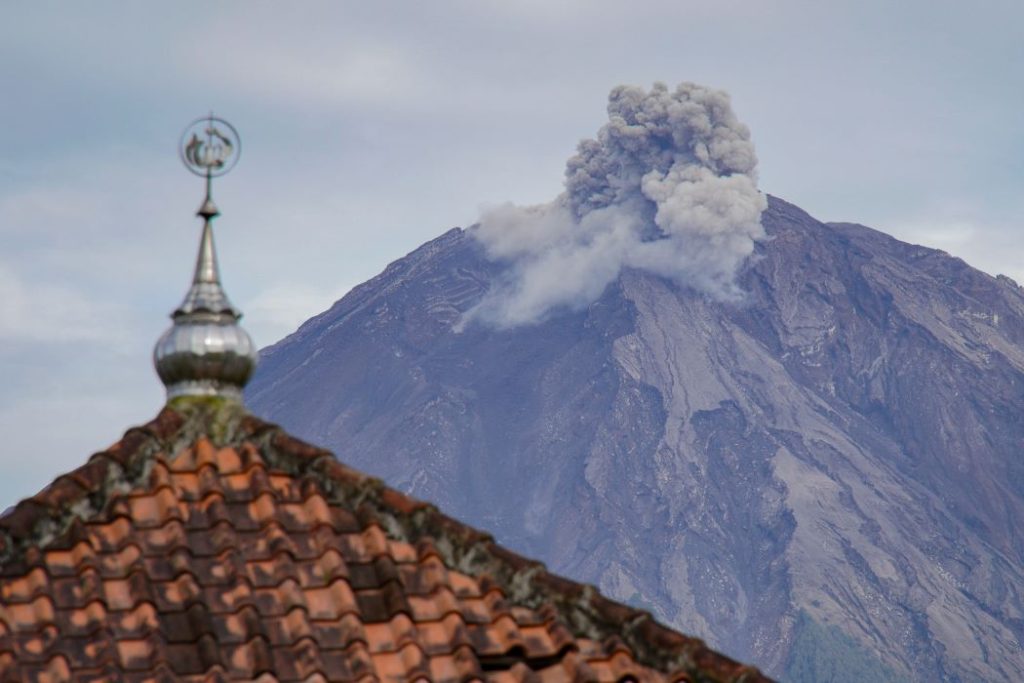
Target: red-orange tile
134, 654
23, 589
401, 551
67, 562
324, 569
85, 619
28, 616
172, 595
204, 454
118, 563
435, 606
228, 460
262, 509
462, 585
55, 671
330, 602
390, 636
152, 510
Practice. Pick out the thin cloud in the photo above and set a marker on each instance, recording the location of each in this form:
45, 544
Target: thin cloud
33, 312
324, 71
280, 308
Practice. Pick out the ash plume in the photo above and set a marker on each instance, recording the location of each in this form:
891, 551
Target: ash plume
669, 185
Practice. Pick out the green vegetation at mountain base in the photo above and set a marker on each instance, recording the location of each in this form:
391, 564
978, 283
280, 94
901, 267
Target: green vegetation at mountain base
823, 654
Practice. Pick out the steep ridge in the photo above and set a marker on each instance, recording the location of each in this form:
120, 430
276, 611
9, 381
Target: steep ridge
824, 480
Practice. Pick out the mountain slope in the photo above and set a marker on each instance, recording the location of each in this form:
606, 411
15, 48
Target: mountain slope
827, 473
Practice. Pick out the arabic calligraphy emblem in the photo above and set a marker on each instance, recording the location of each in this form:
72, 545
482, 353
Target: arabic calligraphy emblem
210, 147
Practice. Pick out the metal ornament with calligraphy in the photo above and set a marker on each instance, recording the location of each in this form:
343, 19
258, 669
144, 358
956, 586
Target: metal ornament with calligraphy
210, 147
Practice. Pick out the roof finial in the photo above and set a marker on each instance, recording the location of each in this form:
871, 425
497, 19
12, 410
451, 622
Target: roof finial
206, 352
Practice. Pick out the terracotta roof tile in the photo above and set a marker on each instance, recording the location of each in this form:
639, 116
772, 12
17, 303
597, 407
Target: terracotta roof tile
176, 555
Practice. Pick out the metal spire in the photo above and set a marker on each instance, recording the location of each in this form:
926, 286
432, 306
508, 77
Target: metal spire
205, 352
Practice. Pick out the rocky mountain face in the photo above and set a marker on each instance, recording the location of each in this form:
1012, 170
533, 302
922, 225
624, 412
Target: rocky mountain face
826, 479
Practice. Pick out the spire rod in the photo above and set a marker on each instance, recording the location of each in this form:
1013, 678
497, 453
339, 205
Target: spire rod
206, 352
206, 262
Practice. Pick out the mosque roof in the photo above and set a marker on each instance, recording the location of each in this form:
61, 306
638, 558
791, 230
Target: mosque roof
209, 545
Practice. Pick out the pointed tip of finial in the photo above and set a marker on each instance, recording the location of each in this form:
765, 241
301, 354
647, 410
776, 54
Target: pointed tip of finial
205, 352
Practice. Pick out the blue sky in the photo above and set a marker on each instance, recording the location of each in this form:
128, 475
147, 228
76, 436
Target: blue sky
369, 128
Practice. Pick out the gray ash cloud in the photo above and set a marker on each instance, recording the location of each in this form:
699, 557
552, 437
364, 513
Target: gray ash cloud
668, 185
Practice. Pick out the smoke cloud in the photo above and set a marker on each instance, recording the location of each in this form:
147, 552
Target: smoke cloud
669, 185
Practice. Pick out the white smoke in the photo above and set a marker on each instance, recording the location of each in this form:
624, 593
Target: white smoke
669, 186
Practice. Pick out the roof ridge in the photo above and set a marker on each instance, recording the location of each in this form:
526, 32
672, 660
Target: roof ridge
86, 492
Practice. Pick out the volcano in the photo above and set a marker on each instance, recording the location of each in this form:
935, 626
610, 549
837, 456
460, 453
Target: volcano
823, 477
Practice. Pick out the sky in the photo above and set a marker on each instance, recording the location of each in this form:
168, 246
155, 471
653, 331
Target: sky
370, 128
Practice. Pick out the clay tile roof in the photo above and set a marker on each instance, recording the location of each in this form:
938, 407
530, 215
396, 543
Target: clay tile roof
210, 546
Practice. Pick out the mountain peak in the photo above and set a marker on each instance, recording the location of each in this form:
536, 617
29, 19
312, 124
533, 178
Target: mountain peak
823, 469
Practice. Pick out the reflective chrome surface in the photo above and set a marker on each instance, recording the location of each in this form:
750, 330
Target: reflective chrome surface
205, 352
206, 294
205, 359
